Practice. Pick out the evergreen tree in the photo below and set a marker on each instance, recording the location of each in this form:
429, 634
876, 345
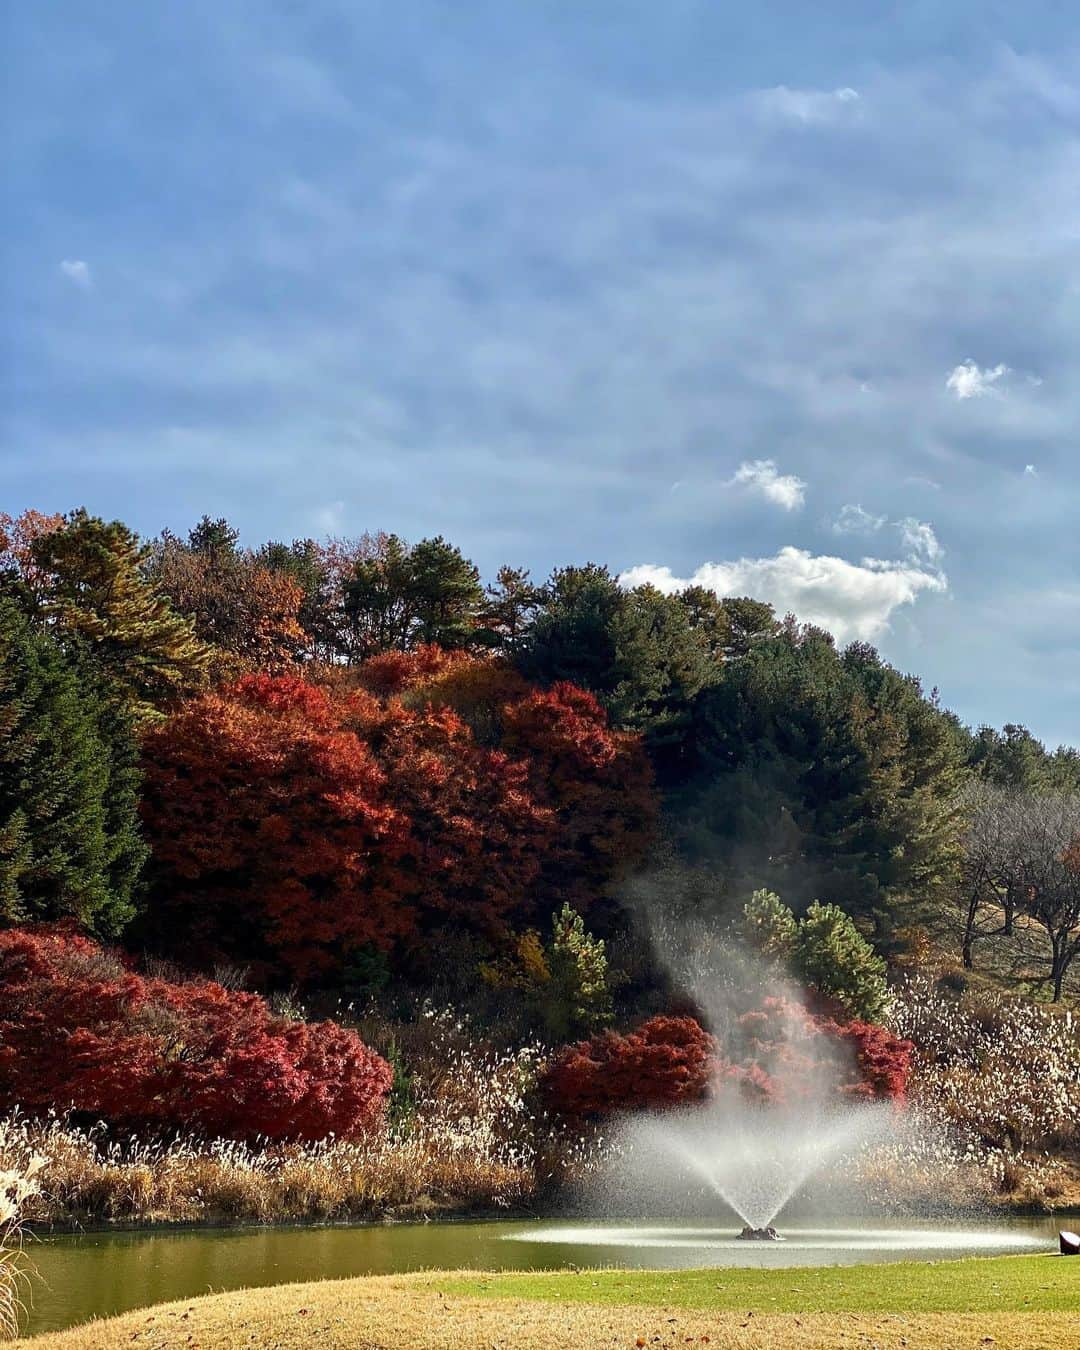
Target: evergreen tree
768, 927
823, 772
511, 608
98, 592
69, 837
401, 597
832, 956
645, 655
576, 998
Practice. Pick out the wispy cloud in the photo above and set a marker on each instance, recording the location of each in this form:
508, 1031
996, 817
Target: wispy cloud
968, 380
77, 271
854, 520
919, 540
762, 477
807, 105
851, 600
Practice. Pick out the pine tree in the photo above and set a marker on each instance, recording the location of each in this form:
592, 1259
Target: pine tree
98, 592
69, 836
576, 1000
833, 957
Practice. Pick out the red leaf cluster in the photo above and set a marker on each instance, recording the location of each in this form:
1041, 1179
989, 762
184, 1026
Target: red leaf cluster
777, 1053
79, 1029
666, 1062
292, 823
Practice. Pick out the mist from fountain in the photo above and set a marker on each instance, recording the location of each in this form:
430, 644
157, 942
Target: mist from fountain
756, 1156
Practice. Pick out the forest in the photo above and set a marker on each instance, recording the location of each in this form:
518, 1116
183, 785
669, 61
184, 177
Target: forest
331, 851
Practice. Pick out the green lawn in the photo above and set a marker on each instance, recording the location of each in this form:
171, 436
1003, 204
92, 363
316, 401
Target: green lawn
990, 1284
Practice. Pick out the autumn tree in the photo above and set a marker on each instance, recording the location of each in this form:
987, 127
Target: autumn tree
96, 590
306, 564
596, 780
247, 611
70, 843
266, 817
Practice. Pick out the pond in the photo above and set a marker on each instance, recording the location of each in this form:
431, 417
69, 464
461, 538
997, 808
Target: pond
99, 1274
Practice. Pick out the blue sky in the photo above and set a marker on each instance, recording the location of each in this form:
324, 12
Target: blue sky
783, 297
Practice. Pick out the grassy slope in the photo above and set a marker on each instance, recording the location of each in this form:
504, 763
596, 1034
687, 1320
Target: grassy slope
1001, 1284
1033, 1302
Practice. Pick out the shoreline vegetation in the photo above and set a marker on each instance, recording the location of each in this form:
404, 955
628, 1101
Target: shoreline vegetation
1028, 1300
991, 1125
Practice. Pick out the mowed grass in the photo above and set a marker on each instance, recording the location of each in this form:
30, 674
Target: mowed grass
1029, 1302
989, 1284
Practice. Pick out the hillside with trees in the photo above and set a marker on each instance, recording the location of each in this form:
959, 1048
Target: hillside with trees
264, 810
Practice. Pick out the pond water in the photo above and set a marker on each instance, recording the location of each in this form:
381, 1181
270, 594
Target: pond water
99, 1274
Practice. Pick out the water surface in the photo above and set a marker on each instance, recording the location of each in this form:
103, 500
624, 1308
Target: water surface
99, 1274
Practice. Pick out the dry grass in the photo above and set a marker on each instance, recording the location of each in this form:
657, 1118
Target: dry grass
414, 1312
18, 1185
90, 1177
994, 1116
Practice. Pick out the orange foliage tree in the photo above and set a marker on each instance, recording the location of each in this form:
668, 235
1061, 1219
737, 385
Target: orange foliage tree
294, 824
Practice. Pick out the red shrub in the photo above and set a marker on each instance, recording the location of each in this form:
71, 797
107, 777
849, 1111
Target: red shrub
667, 1061
78, 1030
783, 1051
778, 1053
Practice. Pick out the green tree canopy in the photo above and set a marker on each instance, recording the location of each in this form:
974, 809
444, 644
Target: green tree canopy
70, 845
644, 654
832, 956
823, 772
400, 597
97, 591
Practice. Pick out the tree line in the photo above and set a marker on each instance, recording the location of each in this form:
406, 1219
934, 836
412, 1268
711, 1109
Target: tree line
323, 757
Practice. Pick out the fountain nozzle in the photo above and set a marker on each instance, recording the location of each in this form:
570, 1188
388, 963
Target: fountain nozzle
769, 1234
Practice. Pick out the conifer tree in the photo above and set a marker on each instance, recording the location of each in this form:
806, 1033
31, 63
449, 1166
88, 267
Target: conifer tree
69, 836
98, 592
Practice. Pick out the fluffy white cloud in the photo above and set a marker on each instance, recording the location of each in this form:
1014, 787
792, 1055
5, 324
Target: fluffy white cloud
1030, 471
851, 600
967, 380
78, 271
807, 105
761, 476
854, 520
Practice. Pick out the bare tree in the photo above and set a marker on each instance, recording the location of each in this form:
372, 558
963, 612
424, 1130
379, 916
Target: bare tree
1022, 861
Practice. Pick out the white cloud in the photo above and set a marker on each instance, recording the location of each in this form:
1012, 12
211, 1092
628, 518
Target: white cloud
967, 380
77, 271
919, 539
782, 489
854, 520
851, 600
807, 105
1030, 471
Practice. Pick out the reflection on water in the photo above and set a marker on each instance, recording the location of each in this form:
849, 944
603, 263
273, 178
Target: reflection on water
98, 1274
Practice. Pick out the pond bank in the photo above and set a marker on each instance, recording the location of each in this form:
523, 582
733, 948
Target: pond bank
102, 1274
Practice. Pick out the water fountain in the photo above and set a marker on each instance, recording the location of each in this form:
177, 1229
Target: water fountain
754, 1158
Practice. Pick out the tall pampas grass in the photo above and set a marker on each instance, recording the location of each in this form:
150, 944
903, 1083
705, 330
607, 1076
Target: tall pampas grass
17, 1185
